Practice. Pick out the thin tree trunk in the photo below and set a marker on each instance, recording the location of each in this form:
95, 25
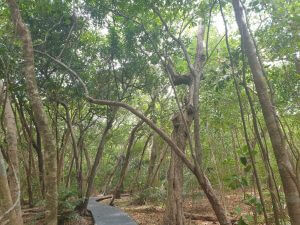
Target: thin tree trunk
289, 179
5, 196
140, 162
61, 159
29, 176
36, 145
218, 169
249, 146
156, 169
111, 175
83, 207
265, 157
87, 158
75, 150
153, 156
40, 115
27, 166
68, 179
12, 151
40, 157
117, 191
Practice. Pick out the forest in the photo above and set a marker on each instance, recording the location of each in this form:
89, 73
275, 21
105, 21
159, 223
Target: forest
150, 112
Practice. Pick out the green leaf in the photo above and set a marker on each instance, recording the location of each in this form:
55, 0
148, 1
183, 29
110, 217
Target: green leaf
244, 181
243, 160
242, 221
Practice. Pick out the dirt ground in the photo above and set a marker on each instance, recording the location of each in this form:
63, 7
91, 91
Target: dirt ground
151, 214
35, 216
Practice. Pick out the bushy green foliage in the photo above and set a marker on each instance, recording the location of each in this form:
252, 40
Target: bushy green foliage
151, 194
235, 182
67, 201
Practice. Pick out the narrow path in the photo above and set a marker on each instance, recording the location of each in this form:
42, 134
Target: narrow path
108, 215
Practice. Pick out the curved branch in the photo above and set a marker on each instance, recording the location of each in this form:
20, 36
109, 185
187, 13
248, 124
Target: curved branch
137, 113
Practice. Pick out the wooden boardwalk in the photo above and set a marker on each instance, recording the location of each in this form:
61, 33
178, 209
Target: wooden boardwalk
108, 215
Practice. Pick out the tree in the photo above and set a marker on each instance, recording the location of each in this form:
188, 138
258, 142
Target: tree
288, 175
12, 152
39, 114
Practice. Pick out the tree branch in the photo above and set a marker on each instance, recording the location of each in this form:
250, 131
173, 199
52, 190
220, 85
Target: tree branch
137, 113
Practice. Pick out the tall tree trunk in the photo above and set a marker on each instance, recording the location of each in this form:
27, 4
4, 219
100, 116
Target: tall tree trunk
270, 181
289, 179
181, 123
12, 151
39, 114
249, 146
174, 214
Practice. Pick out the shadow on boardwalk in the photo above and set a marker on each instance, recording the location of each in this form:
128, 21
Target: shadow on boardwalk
108, 215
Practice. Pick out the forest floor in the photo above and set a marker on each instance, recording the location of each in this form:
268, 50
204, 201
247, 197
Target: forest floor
152, 214
35, 216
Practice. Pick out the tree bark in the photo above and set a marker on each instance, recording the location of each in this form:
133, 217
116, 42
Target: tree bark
174, 208
289, 179
5, 196
155, 148
12, 151
39, 114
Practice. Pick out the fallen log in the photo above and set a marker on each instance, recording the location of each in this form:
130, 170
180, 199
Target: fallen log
110, 196
104, 197
193, 216
37, 209
26, 214
143, 209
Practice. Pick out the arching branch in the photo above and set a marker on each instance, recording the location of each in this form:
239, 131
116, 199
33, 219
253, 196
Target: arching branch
123, 105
